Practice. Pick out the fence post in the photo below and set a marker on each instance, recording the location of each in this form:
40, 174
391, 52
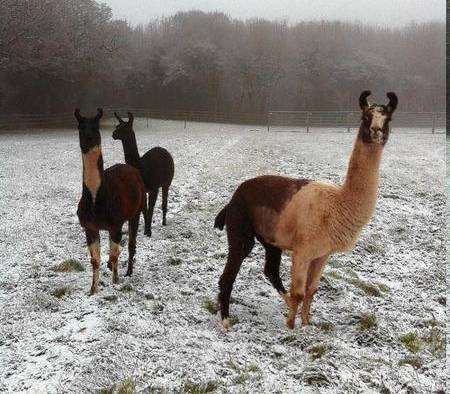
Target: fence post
268, 121
433, 123
147, 118
184, 121
307, 121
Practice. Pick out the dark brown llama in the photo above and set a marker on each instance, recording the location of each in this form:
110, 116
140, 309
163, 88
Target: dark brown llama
109, 198
156, 167
311, 219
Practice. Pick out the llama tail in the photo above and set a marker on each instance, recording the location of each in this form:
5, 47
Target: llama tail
220, 219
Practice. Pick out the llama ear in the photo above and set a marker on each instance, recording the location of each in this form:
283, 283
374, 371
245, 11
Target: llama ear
118, 117
393, 101
130, 118
78, 115
363, 103
99, 114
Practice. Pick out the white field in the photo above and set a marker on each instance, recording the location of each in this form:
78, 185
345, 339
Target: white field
155, 330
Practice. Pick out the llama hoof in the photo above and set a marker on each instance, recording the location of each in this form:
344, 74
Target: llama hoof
148, 233
290, 323
226, 324
128, 273
93, 291
110, 265
164, 223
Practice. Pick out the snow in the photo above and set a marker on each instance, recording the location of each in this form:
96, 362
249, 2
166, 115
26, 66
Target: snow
159, 334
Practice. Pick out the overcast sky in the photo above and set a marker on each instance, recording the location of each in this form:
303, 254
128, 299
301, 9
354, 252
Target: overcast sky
384, 12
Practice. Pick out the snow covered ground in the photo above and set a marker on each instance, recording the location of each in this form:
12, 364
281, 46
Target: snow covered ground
378, 318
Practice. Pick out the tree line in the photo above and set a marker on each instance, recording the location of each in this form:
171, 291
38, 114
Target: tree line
57, 54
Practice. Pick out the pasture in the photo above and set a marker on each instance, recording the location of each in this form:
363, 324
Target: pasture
378, 319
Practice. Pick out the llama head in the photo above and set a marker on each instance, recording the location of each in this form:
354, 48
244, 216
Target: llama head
89, 130
376, 118
124, 129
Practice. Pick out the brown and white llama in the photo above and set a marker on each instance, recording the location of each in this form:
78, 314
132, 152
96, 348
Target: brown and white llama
156, 167
109, 198
311, 219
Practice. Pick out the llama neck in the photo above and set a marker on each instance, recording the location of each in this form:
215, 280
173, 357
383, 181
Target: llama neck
130, 150
93, 170
361, 184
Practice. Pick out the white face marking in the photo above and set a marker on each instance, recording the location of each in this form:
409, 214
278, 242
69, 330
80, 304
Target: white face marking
94, 250
378, 119
91, 173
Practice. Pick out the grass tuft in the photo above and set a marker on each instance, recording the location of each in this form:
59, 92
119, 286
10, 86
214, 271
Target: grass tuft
416, 362
435, 340
210, 306
288, 339
60, 292
69, 265
368, 288
367, 321
411, 341
175, 261
325, 326
200, 388
317, 351
126, 288
126, 387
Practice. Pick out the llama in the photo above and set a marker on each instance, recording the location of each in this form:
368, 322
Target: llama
156, 167
109, 198
311, 219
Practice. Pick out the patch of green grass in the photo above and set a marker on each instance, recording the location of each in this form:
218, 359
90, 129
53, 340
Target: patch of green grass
435, 340
210, 306
126, 288
288, 339
335, 274
253, 368
367, 321
201, 388
351, 272
416, 362
175, 261
105, 391
325, 326
60, 292
241, 378
368, 288
384, 288
317, 379
125, 387
317, 351
376, 289
69, 265
411, 341
110, 297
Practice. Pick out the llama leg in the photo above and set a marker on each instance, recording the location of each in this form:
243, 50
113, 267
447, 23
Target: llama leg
165, 193
152, 197
93, 242
145, 212
114, 251
272, 270
314, 274
299, 274
239, 247
133, 225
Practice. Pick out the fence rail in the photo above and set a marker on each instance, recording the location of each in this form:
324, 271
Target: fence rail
275, 120
279, 120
